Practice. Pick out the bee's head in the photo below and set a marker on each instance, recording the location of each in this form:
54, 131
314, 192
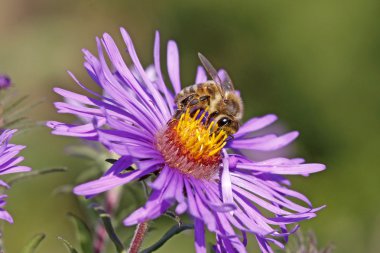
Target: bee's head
233, 105
227, 123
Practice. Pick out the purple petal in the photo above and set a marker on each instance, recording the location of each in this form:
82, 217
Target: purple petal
153, 209
4, 139
172, 189
240, 220
5, 81
74, 96
16, 169
284, 169
266, 192
207, 215
201, 76
281, 161
4, 184
248, 142
86, 131
158, 202
192, 205
253, 213
125, 74
199, 235
159, 183
266, 143
173, 66
160, 80
157, 97
255, 124
108, 182
8, 159
181, 208
231, 240
208, 191
278, 142
267, 205
4, 215
226, 181
121, 94
263, 244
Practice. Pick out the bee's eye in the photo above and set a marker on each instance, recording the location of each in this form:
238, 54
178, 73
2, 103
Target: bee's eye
224, 121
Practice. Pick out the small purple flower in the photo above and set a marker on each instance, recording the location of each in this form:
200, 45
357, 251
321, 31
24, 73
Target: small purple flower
199, 174
5, 81
9, 164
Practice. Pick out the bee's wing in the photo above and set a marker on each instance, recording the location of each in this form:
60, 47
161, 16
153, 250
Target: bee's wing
211, 71
227, 84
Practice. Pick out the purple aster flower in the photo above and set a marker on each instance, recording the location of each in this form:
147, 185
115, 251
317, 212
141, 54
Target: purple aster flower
5, 82
198, 172
9, 164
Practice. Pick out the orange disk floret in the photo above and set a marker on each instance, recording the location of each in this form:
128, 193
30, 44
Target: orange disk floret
192, 147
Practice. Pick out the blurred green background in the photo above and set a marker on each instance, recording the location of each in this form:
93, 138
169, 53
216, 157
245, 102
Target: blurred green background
313, 63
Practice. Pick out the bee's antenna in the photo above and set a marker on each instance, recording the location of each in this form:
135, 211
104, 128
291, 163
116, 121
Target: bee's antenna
211, 71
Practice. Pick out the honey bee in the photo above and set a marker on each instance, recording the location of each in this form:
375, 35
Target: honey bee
217, 96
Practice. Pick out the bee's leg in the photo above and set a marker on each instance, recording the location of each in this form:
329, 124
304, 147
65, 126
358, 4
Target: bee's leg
211, 116
185, 102
192, 102
182, 106
205, 99
199, 103
194, 105
178, 113
205, 102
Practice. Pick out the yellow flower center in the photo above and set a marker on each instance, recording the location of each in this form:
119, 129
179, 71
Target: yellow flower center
192, 147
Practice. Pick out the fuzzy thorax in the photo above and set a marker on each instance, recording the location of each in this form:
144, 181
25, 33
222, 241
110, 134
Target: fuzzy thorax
192, 147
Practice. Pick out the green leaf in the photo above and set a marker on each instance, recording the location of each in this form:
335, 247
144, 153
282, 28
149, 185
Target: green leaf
83, 233
68, 245
19, 111
34, 173
33, 244
174, 217
15, 103
168, 235
106, 219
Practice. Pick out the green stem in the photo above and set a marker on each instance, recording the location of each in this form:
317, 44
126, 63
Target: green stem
169, 234
34, 173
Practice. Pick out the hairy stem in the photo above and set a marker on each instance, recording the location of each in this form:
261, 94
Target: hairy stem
138, 238
101, 234
1, 238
